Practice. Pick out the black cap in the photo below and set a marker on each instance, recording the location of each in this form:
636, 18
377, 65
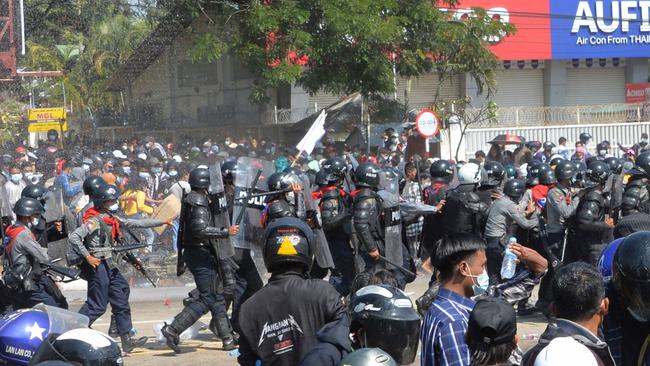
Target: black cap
493, 321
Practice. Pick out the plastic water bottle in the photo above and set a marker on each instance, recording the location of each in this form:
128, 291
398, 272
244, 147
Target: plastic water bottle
509, 261
234, 353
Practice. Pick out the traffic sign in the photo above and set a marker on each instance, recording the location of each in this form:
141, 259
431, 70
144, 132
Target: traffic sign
427, 124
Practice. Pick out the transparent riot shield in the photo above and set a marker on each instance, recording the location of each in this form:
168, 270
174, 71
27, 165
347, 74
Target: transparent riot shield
54, 205
389, 192
219, 208
322, 254
251, 178
6, 209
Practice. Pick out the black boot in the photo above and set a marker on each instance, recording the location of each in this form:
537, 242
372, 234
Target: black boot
224, 331
171, 337
129, 344
112, 328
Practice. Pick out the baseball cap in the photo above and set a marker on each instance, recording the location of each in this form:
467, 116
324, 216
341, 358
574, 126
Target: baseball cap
492, 321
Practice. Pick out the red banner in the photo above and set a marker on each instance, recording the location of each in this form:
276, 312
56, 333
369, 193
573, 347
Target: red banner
637, 93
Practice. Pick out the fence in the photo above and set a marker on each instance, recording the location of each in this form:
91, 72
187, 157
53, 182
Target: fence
624, 133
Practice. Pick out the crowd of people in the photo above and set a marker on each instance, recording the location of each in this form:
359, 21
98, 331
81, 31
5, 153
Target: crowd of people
303, 259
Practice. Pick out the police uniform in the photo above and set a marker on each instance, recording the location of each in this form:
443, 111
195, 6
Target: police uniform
591, 233
431, 229
105, 283
23, 272
463, 212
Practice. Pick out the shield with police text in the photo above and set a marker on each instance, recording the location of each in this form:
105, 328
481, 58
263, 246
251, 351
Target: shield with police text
219, 209
6, 208
322, 254
389, 193
250, 184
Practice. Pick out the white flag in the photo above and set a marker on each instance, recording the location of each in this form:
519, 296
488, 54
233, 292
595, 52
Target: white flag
315, 133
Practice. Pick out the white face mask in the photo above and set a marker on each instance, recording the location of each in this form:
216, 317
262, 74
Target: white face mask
28, 175
144, 175
86, 167
114, 207
35, 221
16, 177
126, 169
173, 173
482, 282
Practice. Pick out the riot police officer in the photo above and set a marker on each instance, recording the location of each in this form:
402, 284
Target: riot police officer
591, 231
280, 322
44, 232
639, 176
442, 172
490, 187
287, 203
335, 215
197, 252
615, 187
90, 185
632, 219
503, 213
101, 230
24, 257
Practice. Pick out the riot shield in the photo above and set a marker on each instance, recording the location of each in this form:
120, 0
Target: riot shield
54, 205
6, 209
251, 178
389, 192
322, 253
219, 208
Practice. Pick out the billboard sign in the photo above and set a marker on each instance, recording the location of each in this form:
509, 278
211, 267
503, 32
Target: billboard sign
637, 93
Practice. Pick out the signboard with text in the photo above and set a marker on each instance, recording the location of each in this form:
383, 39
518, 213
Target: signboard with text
637, 93
45, 119
567, 29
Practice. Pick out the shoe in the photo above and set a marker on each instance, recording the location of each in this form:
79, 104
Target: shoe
171, 338
129, 344
526, 309
228, 344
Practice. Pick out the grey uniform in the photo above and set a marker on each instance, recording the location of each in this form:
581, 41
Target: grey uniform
502, 214
89, 236
559, 209
26, 251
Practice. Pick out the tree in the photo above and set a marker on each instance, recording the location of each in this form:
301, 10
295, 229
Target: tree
343, 46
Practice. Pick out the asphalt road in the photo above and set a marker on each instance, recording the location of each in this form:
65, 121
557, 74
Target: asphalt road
151, 306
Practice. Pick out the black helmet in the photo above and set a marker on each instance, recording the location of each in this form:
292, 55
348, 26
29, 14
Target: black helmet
642, 164
229, 168
293, 170
83, 347
532, 173
585, 137
514, 188
288, 240
106, 192
630, 201
326, 177
565, 170
336, 166
388, 319
277, 181
91, 184
441, 171
511, 171
368, 357
615, 165
597, 173
27, 206
35, 191
495, 173
199, 178
548, 146
546, 176
556, 160
367, 175
631, 275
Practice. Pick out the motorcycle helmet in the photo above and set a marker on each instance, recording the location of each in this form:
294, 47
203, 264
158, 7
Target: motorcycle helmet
631, 275
368, 357
288, 241
83, 346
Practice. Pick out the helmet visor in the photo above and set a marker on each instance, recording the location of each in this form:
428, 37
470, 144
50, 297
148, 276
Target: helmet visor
399, 338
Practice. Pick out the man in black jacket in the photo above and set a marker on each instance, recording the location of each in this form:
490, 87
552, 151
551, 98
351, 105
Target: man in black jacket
279, 323
580, 305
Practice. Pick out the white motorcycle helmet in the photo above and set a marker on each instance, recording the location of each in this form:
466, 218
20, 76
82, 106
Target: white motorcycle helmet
469, 173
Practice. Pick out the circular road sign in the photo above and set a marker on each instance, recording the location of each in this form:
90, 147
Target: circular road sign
427, 123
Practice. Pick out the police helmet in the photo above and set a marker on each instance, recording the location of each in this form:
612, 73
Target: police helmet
585, 137
35, 191
514, 188
83, 346
326, 177
565, 170
469, 173
229, 168
293, 170
597, 173
615, 165
441, 171
106, 192
336, 166
27, 206
288, 241
277, 181
199, 178
548, 146
367, 175
388, 319
556, 160
532, 168
631, 275
368, 357
630, 201
91, 184
642, 165
495, 173
511, 172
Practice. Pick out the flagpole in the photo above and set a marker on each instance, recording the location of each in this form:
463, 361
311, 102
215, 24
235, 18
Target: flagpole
297, 157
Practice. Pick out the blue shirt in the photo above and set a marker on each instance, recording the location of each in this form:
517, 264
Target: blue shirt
69, 190
444, 328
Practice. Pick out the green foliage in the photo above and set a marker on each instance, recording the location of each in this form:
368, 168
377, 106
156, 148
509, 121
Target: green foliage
11, 119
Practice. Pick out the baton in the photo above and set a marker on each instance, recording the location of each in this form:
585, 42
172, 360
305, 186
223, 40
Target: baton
400, 268
253, 185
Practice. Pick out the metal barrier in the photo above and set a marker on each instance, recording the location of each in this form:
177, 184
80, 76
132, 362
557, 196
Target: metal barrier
626, 134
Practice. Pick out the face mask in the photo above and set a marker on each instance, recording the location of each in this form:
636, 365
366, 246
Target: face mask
86, 167
126, 169
16, 177
125, 148
119, 180
173, 173
291, 197
482, 283
35, 221
156, 170
602, 152
114, 207
644, 141
29, 175
144, 175
638, 317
